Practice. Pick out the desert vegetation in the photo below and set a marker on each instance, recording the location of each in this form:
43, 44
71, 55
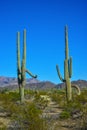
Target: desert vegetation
56, 109
43, 110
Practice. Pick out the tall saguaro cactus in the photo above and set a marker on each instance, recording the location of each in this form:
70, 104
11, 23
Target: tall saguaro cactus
67, 70
21, 67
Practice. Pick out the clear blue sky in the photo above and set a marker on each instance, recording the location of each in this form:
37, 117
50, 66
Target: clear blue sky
44, 21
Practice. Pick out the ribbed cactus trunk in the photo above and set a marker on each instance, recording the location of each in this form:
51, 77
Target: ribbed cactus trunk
21, 67
18, 62
67, 70
23, 76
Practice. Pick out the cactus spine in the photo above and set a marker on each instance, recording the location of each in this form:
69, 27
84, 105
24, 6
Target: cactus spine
21, 67
67, 70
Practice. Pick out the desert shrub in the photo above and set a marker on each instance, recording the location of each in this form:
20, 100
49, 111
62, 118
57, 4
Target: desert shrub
23, 116
65, 115
59, 97
73, 107
28, 91
83, 121
43, 92
70, 109
28, 117
41, 101
2, 126
6, 98
14, 96
34, 94
83, 97
5, 90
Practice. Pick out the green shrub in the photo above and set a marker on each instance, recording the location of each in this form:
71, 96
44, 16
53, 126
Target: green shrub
5, 90
65, 115
28, 116
58, 96
23, 116
73, 107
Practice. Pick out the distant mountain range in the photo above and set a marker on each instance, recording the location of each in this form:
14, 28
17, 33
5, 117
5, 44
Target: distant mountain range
11, 84
8, 81
80, 83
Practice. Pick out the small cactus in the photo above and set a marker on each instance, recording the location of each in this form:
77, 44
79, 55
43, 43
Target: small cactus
21, 67
67, 70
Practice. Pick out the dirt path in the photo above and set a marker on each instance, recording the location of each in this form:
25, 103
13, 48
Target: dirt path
52, 113
52, 110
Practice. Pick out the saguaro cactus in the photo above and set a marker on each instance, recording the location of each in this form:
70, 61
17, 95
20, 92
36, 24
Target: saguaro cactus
67, 70
21, 67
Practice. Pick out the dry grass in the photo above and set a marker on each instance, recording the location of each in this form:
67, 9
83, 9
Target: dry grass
38, 112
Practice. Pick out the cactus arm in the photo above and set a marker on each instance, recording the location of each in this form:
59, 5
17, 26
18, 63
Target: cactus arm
24, 46
70, 67
66, 43
27, 71
77, 87
18, 58
58, 72
23, 66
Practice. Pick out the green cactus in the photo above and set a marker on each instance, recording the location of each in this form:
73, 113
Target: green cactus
21, 67
67, 70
